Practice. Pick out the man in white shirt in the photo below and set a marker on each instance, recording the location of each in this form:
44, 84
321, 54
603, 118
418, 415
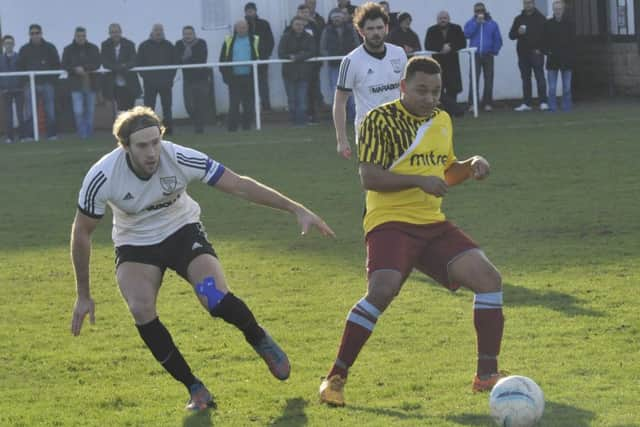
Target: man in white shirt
156, 225
371, 72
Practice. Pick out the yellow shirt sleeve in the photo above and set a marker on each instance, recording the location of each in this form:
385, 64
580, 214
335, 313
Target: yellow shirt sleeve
451, 156
372, 143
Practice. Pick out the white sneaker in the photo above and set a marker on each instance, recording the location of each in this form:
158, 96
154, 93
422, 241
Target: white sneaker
522, 107
488, 108
8, 141
544, 106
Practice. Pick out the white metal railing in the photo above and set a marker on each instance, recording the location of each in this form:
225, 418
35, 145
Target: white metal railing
254, 64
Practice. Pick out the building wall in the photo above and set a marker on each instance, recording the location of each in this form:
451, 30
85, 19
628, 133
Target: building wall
136, 17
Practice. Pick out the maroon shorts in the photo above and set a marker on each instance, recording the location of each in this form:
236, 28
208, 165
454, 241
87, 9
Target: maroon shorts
428, 248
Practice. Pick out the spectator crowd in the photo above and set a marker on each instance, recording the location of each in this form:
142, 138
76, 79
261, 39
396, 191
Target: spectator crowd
308, 35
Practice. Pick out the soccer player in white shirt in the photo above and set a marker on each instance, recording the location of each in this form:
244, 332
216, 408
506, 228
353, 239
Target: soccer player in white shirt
371, 72
156, 225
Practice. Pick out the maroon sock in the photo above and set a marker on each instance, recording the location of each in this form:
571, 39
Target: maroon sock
489, 326
360, 323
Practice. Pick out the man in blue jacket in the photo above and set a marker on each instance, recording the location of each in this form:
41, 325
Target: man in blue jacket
484, 34
11, 89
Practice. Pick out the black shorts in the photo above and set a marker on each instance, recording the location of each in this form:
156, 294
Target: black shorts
175, 252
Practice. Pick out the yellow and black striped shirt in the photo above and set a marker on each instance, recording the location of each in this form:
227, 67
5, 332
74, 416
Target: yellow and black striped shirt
402, 143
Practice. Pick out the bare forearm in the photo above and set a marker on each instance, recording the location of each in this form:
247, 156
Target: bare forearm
340, 118
384, 181
458, 172
80, 255
261, 194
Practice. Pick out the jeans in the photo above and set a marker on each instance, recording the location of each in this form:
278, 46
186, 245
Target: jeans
297, 100
484, 65
151, 92
314, 97
84, 107
241, 93
8, 98
532, 62
263, 86
333, 83
124, 98
552, 77
195, 95
46, 92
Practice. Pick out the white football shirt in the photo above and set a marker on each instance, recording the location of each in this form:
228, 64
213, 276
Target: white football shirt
373, 81
147, 211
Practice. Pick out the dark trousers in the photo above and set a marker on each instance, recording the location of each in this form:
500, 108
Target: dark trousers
196, 94
484, 66
532, 62
124, 98
240, 92
314, 95
8, 98
263, 86
449, 101
151, 92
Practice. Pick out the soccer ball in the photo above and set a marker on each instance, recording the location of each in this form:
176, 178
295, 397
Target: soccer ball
516, 401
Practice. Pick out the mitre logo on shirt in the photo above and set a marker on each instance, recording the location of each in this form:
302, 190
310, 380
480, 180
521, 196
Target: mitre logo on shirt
168, 184
397, 65
429, 159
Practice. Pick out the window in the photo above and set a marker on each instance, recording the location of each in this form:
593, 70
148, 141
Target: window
621, 17
216, 14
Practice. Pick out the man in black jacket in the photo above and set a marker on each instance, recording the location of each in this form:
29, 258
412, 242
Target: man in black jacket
560, 47
196, 82
242, 46
297, 45
158, 51
80, 59
262, 29
118, 54
39, 55
528, 29
448, 39
314, 95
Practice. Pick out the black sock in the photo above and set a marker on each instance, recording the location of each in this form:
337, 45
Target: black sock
233, 310
159, 341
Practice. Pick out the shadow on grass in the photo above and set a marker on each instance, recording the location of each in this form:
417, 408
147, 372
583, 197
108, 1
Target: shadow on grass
561, 414
564, 303
198, 419
293, 414
515, 295
387, 412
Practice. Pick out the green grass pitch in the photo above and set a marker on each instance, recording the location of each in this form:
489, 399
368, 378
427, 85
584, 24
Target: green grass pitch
559, 216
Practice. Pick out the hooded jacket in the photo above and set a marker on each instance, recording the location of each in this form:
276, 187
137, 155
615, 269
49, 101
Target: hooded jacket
484, 36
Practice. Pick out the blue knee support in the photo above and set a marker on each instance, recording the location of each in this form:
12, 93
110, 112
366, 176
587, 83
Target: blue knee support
208, 289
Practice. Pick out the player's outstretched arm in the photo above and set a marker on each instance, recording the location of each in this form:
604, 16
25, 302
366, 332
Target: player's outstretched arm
476, 167
256, 192
340, 121
375, 178
83, 227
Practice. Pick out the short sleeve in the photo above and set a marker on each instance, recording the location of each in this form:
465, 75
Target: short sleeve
451, 156
198, 166
372, 141
346, 75
92, 199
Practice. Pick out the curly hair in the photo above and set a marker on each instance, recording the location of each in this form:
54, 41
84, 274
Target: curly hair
369, 11
134, 120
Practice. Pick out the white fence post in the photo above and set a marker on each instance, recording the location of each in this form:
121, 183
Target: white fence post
256, 96
34, 106
474, 81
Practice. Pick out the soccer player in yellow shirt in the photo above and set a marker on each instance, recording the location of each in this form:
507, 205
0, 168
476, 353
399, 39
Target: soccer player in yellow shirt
407, 164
